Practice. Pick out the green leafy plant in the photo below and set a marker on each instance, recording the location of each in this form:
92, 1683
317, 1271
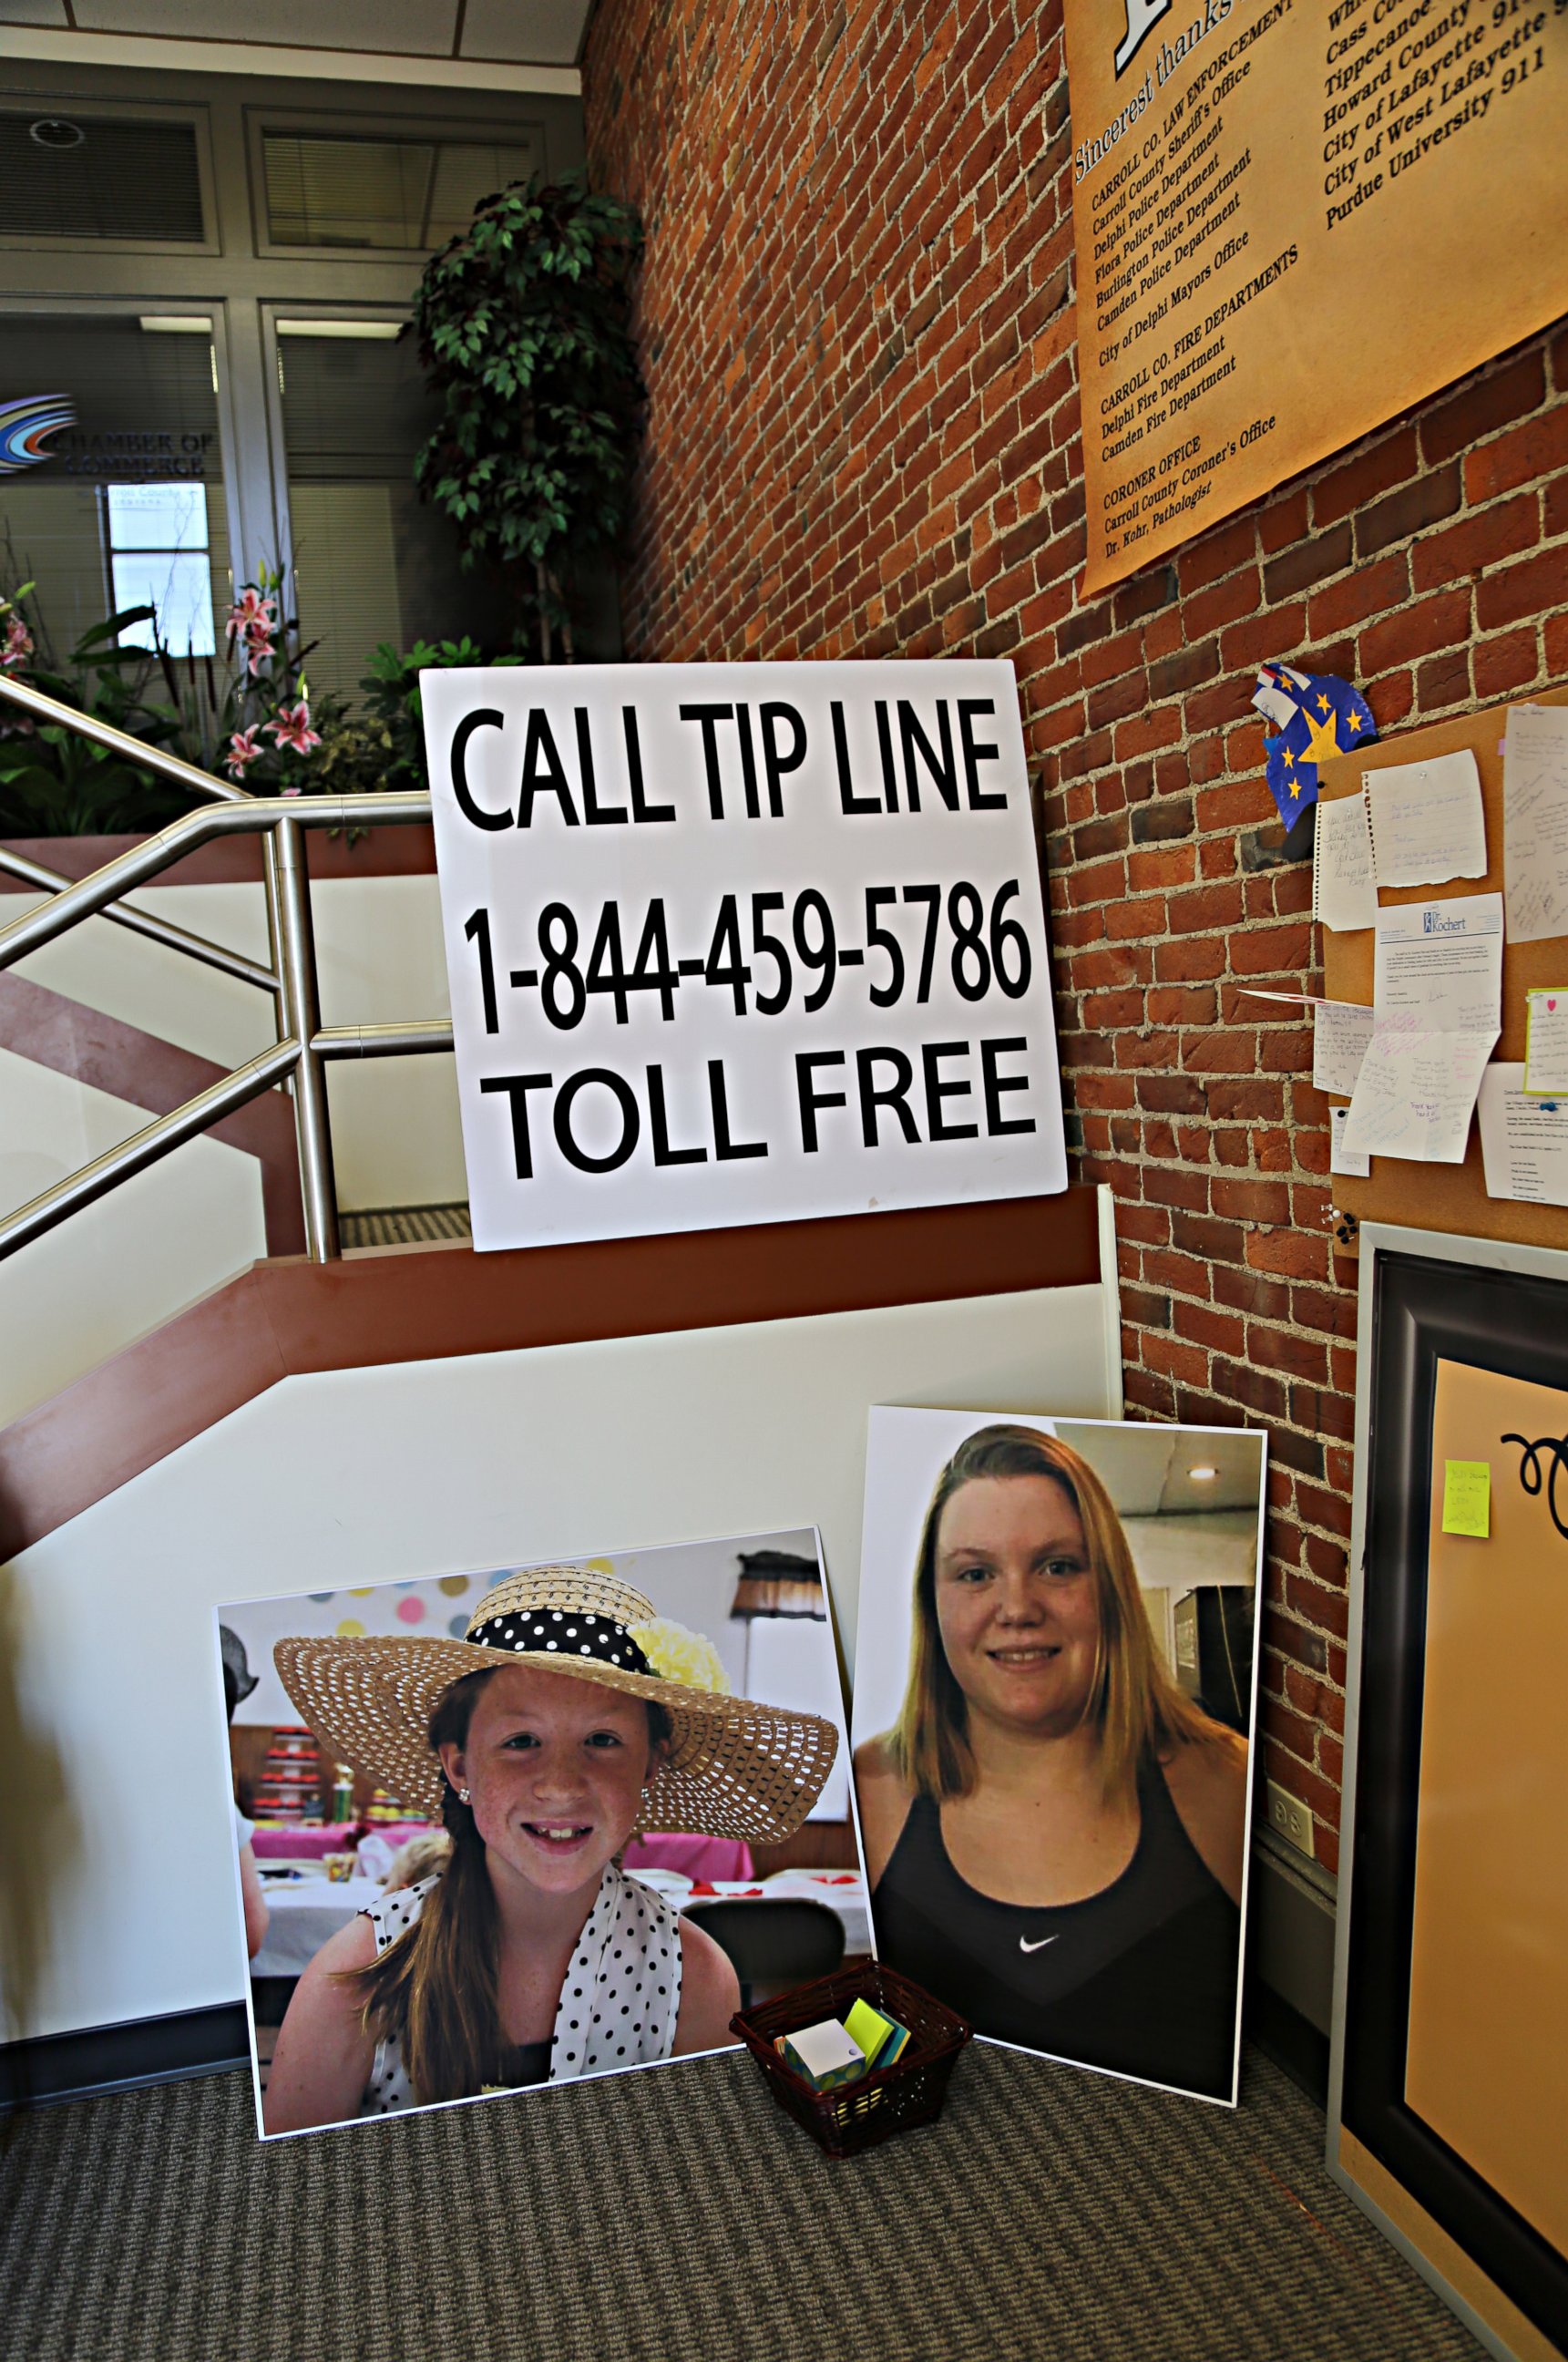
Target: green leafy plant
524, 330
392, 700
54, 783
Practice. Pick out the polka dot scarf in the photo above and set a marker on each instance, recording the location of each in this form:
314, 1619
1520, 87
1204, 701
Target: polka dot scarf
622, 1992
618, 2005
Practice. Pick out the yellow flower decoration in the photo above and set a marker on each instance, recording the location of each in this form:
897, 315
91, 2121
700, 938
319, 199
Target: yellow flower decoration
677, 1654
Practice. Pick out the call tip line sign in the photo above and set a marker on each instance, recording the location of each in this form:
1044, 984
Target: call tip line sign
740, 943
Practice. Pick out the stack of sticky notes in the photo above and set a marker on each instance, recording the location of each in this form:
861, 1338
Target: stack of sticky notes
882, 2039
831, 2054
826, 2055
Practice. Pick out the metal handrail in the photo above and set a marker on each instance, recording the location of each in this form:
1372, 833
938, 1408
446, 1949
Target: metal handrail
142, 923
181, 774
305, 1047
85, 896
136, 751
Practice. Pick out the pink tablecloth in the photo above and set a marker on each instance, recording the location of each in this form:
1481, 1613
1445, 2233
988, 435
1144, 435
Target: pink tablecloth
337, 1837
706, 1858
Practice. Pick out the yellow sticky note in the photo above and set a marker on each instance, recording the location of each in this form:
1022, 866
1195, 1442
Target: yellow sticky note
1467, 1497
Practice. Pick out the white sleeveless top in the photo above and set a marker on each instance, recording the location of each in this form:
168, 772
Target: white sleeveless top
618, 2005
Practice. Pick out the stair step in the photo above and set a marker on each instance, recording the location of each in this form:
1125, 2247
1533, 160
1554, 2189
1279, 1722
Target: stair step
403, 1226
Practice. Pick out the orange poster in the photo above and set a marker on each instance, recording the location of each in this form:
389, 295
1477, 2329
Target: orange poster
1294, 219
1485, 2064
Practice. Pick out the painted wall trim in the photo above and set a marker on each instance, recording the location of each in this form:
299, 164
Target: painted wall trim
289, 1317
164, 53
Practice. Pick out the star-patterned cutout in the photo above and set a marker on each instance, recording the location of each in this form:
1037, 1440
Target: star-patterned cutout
1322, 745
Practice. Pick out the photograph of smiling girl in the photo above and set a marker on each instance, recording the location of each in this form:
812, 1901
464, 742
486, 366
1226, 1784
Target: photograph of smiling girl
1052, 1715
476, 1809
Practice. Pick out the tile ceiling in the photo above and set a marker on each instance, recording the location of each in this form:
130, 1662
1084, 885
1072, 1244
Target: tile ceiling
509, 32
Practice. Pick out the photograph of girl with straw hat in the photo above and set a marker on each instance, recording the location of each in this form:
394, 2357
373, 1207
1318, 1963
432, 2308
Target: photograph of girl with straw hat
538, 1734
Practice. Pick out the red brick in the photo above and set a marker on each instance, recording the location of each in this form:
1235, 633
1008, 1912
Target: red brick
1349, 488
1510, 662
1479, 540
1452, 427
1418, 630
1538, 449
1217, 554
1370, 591
1269, 951
1528, 588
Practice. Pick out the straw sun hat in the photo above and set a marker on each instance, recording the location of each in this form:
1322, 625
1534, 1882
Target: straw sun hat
734, 1768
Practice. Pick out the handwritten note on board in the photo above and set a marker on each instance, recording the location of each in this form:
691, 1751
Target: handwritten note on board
1345, 889
1467, 1498
1341, 1158
1535, 822
1341, 1031
1415, 1092
1427, 821
1546, 1042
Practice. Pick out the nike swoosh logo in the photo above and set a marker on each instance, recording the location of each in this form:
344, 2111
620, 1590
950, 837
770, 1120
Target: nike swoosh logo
1024, 1945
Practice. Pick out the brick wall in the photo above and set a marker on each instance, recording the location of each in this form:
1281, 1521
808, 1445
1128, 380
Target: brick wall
858, 332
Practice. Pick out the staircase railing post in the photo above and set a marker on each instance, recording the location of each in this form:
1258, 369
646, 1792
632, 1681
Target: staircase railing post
300, 1016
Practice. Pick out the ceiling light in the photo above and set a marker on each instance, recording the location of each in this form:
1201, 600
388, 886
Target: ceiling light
374, 331
176, 323
1203, 1475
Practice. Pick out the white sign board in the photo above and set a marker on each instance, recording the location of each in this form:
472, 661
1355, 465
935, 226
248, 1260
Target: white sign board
740, 943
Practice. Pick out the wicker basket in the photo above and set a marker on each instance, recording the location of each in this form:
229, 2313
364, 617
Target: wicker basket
890, 2099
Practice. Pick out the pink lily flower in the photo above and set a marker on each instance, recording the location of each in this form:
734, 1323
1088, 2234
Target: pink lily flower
243, 751
259, 649
253, 611
292, 728
19, 646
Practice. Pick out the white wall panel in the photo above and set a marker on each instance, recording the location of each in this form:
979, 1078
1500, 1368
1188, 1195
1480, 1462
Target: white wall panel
369, 1475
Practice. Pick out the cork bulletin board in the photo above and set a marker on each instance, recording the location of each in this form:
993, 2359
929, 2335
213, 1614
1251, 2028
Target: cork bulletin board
1446, 1196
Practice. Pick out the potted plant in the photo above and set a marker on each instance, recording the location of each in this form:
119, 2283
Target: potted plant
524, 324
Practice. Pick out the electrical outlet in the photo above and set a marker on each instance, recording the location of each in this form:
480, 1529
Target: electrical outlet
1290, 1819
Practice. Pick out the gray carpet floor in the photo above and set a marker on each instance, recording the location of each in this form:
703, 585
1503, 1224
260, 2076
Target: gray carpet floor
677, 2212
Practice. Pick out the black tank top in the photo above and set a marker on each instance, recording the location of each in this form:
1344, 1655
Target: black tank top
1139, 1977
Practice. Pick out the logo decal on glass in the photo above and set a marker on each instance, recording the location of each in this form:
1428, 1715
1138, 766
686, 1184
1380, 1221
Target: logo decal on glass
27, 424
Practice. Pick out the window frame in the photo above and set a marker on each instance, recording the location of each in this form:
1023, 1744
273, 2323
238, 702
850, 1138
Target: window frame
71, 104
341, 124
14, 308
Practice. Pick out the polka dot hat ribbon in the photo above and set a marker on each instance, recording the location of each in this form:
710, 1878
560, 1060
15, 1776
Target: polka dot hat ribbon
559, 1631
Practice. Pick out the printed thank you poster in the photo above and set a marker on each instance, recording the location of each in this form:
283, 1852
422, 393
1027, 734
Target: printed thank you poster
1295, 218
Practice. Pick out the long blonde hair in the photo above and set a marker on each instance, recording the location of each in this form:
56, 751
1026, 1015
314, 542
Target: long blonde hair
435, 1989
1138, 1709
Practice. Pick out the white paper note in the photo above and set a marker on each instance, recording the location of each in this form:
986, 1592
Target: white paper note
1340, 1159
1546, 1042
1427, 821
1535, 822
1341, 1031
1441, 964
1344, 893
1524, 1142
1415, 1092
